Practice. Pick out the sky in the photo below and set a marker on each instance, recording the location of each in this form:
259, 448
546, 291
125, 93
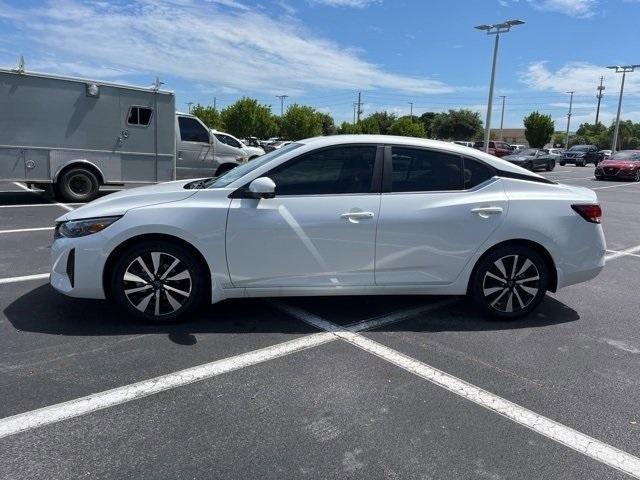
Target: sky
323, 52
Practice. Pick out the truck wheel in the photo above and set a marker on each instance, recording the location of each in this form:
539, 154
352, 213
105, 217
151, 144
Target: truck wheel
77, 185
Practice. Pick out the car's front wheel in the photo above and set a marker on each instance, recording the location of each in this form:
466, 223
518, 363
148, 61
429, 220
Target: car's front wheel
550, 165
158, 281
510, 281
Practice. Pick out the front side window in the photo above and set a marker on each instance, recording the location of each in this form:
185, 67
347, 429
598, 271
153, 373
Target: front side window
226, 139
139, 116
192, 131
334, 171
418, 170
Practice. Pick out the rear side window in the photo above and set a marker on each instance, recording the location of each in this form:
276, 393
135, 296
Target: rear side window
327, 172
192, 131
139, 116
418, 170
475, 173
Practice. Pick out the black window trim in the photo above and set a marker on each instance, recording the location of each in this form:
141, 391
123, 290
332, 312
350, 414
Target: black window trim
139, 125
376, 180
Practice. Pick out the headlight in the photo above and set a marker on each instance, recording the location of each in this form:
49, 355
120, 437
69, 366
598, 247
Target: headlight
81, 228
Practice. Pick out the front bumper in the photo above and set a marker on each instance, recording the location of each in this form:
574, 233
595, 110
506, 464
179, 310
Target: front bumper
620, 174
77, 265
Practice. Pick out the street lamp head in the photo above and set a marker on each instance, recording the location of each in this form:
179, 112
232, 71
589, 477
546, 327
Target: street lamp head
514, 22
613, 67
483, 27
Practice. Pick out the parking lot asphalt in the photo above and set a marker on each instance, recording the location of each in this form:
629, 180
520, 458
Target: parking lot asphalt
257, 388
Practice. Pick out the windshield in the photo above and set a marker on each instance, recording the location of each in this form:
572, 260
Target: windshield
629, 156
528, 152
579, 148
234, 174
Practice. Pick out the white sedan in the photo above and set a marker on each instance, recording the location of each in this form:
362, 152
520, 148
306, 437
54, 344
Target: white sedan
340, 215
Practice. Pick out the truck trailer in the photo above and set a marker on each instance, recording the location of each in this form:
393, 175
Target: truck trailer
73, 135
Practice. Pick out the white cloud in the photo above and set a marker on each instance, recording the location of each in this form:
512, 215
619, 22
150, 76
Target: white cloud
347, 3
581, 77
219, 42
572, 8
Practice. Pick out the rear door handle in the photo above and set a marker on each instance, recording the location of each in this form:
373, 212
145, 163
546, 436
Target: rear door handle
355, 217
486, 212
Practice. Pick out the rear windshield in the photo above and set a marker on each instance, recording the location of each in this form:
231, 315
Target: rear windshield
629, 156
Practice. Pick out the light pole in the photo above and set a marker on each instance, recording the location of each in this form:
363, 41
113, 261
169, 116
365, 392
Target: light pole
623, 69
599, 96
411, 114
503, 97
496, 30
566, 141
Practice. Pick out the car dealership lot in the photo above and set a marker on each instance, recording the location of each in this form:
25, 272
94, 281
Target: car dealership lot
276, 398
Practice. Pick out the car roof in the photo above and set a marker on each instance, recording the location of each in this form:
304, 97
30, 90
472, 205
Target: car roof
332, 140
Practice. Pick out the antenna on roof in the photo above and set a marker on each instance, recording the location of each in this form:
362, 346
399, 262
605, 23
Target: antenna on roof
20, 67
156, 85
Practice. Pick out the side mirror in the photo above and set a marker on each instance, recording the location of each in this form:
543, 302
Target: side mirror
262, 187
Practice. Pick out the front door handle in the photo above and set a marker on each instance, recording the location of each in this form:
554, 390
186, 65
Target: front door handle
355, 217
486, 212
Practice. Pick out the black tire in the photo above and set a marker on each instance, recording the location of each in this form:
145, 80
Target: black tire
77, 185
550, 165
496, 292
562, 164
637, 179
529, 166
582, 164
163, 291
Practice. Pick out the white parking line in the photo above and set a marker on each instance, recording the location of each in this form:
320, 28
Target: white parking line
24, 278
98, 401
589, 446
61, 205
613, 254
21, 230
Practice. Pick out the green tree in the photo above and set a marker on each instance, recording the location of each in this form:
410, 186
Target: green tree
369, 125
539, 129
558, 139
406, 127
247, 117
427, 120
384, 120
328, 125
210, 116
347, 128
456, 125
301, 121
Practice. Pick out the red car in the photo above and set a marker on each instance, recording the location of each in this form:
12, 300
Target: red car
623, 165
498, 149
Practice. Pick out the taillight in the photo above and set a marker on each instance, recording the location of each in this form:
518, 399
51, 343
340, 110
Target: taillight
590, 212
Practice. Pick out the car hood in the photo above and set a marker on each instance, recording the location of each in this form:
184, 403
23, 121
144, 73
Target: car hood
619, 164
120, 202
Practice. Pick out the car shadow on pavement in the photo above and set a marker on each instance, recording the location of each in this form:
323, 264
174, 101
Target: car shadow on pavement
42, 310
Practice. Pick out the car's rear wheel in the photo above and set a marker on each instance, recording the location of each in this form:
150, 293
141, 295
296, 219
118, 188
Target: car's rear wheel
158, 282
529, 166
510, 281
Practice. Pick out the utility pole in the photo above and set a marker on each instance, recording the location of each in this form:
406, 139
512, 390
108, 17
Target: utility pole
214, 103
411, 114
189, 105
599, 97
503, 97
282, 97
496, 30
566, 141
355, 105
623, 69
359, 106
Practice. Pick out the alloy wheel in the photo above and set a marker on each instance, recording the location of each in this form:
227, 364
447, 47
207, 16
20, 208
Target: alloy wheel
511, 283
157, 283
